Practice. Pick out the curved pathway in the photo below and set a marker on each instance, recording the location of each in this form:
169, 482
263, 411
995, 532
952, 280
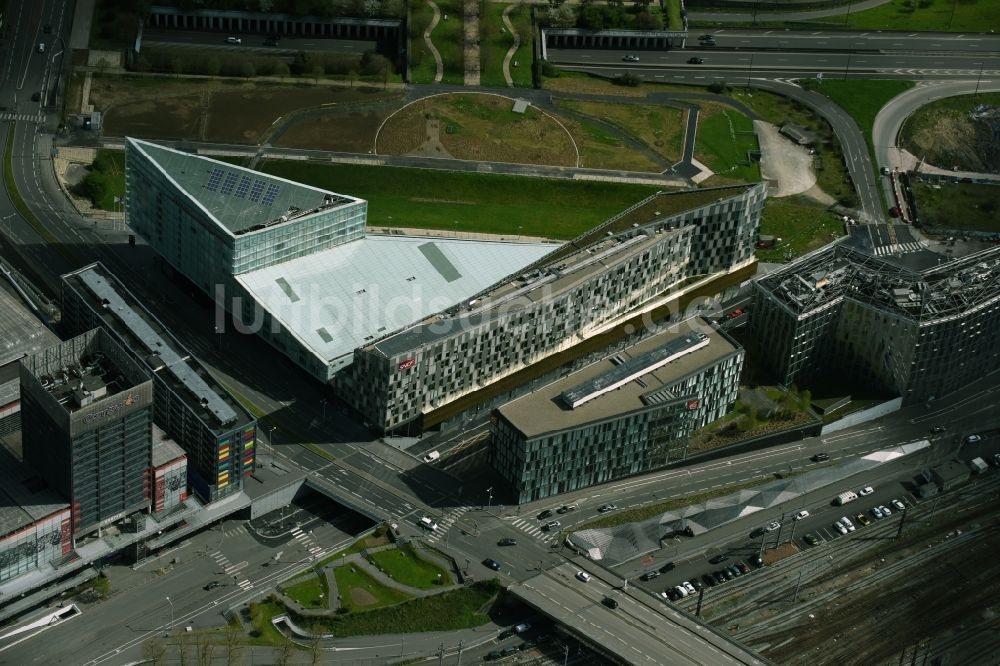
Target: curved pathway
513, 49
787, 16
439, 74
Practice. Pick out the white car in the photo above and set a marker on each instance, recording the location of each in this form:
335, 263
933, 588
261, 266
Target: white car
583, 575
432, 456
604, 508
867, 490
840, 528
972, 439
899, 505
427, 524
801, 514
877, 512
885, 510
773, 525
689, 587
233, 40
848, 524
681, 590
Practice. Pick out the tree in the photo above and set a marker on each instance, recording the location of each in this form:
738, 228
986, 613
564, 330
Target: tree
562, 16
286, 653
234, 636
647, 21
318, 71
281, 70
94, 187
247, 69
805, 399
154, 650
206, 650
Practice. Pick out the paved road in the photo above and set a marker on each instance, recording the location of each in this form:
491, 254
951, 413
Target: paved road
784, 16
862, 41
254, 43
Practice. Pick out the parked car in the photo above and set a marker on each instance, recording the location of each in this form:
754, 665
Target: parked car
545, 514
521, 628
757, 532
811, 539
757, 561
721, 557
233, 40
839, 527
506, 633
509, 650
863, 519
742, 566
885, 510
649, 575
877, 512
493, 655
681, 591
552, 525
867, 490
697, 585
583, 575
631, 58
695, 61
727, 574
490, 563
720, 577
689, 587
672, 594
526, 645
41, 47
609, 602
507, 541
669, 566
899, 505
604, 508
972, 439
710, 580
801, 514
848, 524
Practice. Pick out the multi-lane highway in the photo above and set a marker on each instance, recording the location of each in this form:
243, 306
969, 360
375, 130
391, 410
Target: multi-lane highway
252, 43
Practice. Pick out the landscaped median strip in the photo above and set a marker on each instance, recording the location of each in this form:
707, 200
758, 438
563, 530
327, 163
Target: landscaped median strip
21, 205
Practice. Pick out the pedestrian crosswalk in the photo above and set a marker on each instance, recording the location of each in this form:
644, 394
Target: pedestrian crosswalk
446, 522
899, 248
305, 540
231, 569
235, 531
533, 529
25, 117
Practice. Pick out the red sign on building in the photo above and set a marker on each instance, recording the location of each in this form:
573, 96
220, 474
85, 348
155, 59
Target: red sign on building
693, 404
407, 364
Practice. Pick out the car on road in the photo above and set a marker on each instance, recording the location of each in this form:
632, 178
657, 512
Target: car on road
545, 514
972, 439
41, 47
801, 514
820, 457
649, 575
937, 429
432, 456
631, 58
721, 557
271, 41
867, 490
490, 563
695, 61
566, 508
877, 512
233, 40
742, 566
702, 38
212, 585
428, 524
507, 541
771, 526
811, 539
604, 508
885, 510
552, 525
899, 505
521, 628
707, 42
609, 602
863, 519
669, 566
839, 527
583, 575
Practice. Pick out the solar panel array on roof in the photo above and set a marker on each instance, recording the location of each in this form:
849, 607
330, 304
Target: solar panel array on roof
214, 179
241, 189
272, 192
155, 344
256, 190
229, 184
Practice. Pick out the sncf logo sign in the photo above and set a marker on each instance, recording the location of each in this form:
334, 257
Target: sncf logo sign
693, 404
110, 410
407, 364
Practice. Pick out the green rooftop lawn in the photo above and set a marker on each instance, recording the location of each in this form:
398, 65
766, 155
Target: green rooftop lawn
406, 566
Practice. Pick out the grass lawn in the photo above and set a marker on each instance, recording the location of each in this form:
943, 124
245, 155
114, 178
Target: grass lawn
520, 18
660, 128
861, 99
494, 40
600, 148
457, 609
260, 620
943, 134
406, 566
422, 65
449, 40
489, 203
360, 592
672, 15
112, 174
641, 513
937, 15
958, 205
801, 224
311, 592
725, 137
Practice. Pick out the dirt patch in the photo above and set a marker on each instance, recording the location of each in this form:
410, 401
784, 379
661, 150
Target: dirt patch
781, 552
478, 127
345, 132
591, 85
956, 132
362, 597
947, 140
165, 118
784, 163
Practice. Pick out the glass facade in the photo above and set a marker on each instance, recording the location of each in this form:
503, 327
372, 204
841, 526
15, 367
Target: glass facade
41, 542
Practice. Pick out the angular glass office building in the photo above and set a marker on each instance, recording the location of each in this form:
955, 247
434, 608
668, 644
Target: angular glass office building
629, 413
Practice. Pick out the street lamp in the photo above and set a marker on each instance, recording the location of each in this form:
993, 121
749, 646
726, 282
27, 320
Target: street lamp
848, 68
978, 81
848, 18
171, 614
750, 72
270, 442
489, 495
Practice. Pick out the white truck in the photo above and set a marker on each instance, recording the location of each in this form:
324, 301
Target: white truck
844, 498
978, 465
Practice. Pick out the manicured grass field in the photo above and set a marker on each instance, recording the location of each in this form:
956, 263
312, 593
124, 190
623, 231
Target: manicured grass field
113, 176
862, 99
360, 592
467, 202
802, 225
725, 137
600, 148
449, 39
406, 566
260, 621
422, 65
660, 128
958, 206
457, 609
310, 593
936, 15
493, 44
520, 18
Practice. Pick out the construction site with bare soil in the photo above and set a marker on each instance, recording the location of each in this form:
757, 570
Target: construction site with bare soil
919, 589
959, 133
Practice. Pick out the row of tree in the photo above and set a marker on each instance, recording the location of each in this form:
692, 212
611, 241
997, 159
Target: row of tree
590, 16
224, 64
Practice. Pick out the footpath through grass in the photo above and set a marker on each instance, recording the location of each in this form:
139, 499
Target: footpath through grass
409, 568
422, 64
449, 40
725, 139
469, 202
520, 18
311, 592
